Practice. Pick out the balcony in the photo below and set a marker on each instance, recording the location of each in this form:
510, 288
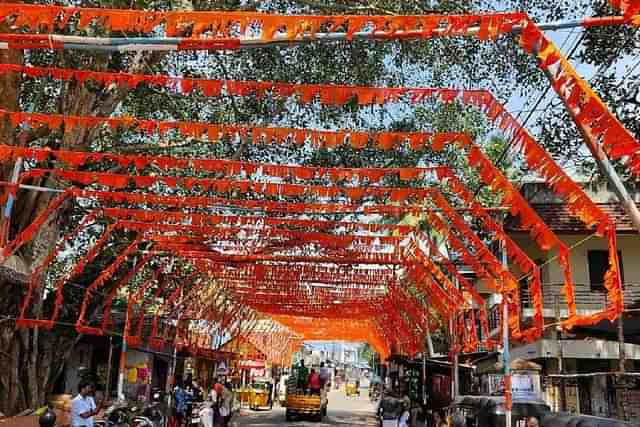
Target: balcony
587, 301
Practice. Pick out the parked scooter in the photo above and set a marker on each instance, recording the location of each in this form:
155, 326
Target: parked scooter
117, 415
152, 414
374, 394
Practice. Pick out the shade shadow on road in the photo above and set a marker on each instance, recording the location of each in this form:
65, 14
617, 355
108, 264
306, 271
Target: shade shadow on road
342, 411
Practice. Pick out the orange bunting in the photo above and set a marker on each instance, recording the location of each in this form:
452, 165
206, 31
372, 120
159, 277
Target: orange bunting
246, 24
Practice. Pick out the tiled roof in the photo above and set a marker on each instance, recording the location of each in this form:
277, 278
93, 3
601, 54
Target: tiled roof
558, 218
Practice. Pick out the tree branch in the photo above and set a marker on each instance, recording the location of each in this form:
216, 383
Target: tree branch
236, 111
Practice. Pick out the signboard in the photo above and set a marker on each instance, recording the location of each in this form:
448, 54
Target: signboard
523, 386
251, 364
573, 405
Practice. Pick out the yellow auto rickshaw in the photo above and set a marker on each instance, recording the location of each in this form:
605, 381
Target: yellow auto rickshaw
244, 394
352, 388
260, 395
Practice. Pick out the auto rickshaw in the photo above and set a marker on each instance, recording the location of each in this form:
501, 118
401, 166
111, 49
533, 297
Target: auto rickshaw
570, 420
260, 395
488, 411
352, 388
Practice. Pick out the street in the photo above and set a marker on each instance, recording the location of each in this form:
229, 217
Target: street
342, 411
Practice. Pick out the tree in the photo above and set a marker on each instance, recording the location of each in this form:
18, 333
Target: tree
36, 357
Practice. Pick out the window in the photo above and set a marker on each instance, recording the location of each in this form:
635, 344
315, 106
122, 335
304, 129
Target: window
598, 265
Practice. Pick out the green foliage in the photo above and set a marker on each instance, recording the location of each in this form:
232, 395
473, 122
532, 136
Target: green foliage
499, 66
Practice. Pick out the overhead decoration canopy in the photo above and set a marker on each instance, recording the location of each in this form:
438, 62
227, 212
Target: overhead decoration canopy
210, 247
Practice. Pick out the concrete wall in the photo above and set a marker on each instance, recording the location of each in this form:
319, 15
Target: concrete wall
628, 246
574, 349
81, 358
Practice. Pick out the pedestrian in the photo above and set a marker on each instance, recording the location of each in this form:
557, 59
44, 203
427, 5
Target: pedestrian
226, 405
458, 420
206, 415
325, 375
406, 415
302, 376
532, 422
440, 420
216, 400
314, 382
179, 404
83, 407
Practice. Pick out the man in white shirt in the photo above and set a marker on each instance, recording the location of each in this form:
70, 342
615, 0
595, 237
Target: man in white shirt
83, 408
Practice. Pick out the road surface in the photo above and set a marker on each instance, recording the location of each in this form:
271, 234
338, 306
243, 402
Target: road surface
342, 411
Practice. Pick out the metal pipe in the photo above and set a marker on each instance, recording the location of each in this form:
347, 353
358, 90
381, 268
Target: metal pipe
126, 44
506, 356
109, 363
506, 360
452, 344
6, 221
622, 357
239, 259
123, 359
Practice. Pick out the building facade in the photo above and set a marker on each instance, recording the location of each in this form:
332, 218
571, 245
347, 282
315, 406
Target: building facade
578, 365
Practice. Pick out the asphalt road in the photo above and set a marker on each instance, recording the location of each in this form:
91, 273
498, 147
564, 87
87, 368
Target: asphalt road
342, 411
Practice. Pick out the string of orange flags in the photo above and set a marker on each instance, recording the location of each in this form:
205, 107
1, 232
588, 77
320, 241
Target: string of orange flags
261, 249
36, 171
590, 111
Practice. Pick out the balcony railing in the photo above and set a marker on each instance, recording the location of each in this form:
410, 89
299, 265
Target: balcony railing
586, 299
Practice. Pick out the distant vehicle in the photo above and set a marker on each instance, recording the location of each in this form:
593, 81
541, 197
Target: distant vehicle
260, 395
300, 404
488, 411
570, 420
352, 388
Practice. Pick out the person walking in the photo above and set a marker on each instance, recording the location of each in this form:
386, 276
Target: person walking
216, 397
302, 376
405, 418
440, 419
83, 407
226, 405
315, 384
325, 375
179, 405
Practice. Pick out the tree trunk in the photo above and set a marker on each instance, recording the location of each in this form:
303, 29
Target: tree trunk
35, 358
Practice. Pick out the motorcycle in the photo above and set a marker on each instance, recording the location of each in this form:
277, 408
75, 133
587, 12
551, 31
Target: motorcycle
374, 394
117, 415
152, 413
